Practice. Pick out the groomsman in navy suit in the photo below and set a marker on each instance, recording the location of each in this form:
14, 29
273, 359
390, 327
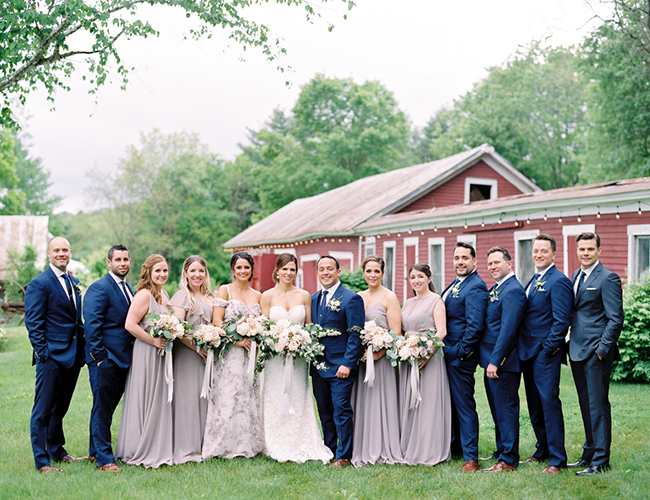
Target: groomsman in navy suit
336, 307
596, 326
53, 321
499, 356
109, 348
466, 303
541, 349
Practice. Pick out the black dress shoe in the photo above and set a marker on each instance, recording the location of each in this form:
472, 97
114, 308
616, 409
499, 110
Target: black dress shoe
579, 463
592, 470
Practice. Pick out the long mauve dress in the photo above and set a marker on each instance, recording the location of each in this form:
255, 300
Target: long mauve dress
146, 427
232, 426
189, 409
376, 409
426, 429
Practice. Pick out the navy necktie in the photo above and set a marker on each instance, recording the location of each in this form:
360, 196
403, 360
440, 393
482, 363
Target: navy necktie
323, 302
581, 281
126, 293
68, 285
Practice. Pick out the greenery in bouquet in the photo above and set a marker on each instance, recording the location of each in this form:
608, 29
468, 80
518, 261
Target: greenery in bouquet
167, 326
414, 346
376, 336
209, 338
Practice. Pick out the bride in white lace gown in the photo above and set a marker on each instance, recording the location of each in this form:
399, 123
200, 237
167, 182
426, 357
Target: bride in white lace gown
289, 436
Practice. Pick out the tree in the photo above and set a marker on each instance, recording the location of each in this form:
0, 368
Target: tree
338, 131
11, 201
531, 110
616, 58
425, 139
33, 182
40, 38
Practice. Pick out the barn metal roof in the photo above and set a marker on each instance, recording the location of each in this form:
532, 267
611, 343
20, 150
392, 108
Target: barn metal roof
339, 211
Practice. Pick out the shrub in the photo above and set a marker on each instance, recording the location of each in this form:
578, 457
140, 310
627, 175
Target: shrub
353, 280
634, 343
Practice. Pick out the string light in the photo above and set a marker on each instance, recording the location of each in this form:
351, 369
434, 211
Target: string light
528, 220
640, 212
465, 226
560, 219
399, 235
482, 223
545, 215
598, 215
435, 228
579, 218
422, 233
618, 216
449, 230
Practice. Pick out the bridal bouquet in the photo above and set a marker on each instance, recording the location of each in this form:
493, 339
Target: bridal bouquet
316, 348
212, 339
411, 348
375, 338
247, 327
168, 326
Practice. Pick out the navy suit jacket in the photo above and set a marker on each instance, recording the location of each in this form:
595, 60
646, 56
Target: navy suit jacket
465, 317
501, 336
105, 310
597, 315
344, 349
548, 315
53, 325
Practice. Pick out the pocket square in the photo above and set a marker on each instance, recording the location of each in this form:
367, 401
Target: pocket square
592, 288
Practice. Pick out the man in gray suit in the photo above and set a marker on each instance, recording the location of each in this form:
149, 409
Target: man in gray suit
596, 326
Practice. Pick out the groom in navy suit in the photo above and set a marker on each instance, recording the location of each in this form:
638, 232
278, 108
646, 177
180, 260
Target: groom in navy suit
109, 348
466, 302
53, 321
499, 356
596, 326
541, 349
336, 307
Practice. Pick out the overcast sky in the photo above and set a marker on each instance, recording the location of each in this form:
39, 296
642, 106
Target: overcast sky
427, 52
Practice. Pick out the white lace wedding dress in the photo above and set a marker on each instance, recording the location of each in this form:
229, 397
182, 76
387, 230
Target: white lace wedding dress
290, 437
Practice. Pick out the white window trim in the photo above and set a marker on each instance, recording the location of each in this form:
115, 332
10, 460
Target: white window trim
411, 241
519, 236
309, 257
278, 251
437, 241
467, 238
493, 183
391, 244
632, 231
369, 241
567, 232
344, 256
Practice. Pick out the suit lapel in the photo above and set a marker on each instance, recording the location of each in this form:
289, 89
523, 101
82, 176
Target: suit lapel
117, 290
592, 277
62, 293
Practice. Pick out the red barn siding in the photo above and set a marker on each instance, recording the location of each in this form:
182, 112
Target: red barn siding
453, 191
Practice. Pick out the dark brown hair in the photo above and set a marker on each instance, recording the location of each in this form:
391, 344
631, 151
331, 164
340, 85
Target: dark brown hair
423, 268
282, 260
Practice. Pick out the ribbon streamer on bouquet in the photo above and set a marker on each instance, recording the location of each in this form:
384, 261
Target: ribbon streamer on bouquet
207, 374
415, 385
169, 376
286, 399
252, 358
370, 368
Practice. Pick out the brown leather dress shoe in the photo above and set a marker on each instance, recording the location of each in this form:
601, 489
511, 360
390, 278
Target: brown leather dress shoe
46, 469
92, 459
112, 467
551, 470
469, 466
340, 463
500, 466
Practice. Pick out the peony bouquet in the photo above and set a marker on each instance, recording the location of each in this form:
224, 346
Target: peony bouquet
168, 326
375, 338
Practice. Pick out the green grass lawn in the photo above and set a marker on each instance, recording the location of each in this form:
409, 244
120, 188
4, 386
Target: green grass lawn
264, 478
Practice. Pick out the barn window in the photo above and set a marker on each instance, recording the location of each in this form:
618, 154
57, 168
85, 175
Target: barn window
437, 262
477, 189
638, 250
524, 266
389, 258
371, 246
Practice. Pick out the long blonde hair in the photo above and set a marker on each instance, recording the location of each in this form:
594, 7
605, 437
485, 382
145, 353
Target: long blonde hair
145, 282
205, 286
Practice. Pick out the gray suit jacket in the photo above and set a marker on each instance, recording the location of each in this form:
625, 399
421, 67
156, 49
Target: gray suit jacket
597, 315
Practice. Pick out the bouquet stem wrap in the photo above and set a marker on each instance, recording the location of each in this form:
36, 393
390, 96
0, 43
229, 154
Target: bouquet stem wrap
415, 385
286, 399
252, 359
207, 374
169, 376
370, 368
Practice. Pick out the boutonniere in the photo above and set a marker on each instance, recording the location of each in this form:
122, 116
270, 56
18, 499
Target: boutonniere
539, 285
76, 287
455, 290
334, 304
494, 295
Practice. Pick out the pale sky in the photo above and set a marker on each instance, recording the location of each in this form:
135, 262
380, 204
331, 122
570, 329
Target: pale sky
427, 52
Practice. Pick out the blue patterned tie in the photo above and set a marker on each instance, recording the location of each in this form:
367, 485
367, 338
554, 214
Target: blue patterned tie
126, 294
68, 285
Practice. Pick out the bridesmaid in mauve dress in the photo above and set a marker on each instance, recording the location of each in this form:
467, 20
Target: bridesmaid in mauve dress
192, 303
426, 429
146, 427
376, 409
232, 426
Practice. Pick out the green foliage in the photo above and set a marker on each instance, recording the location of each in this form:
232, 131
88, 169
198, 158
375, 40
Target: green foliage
11, 201
33, 182
616, 59
634, 342
338, 132
21, 270
531, 110
38, 45
353, 280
